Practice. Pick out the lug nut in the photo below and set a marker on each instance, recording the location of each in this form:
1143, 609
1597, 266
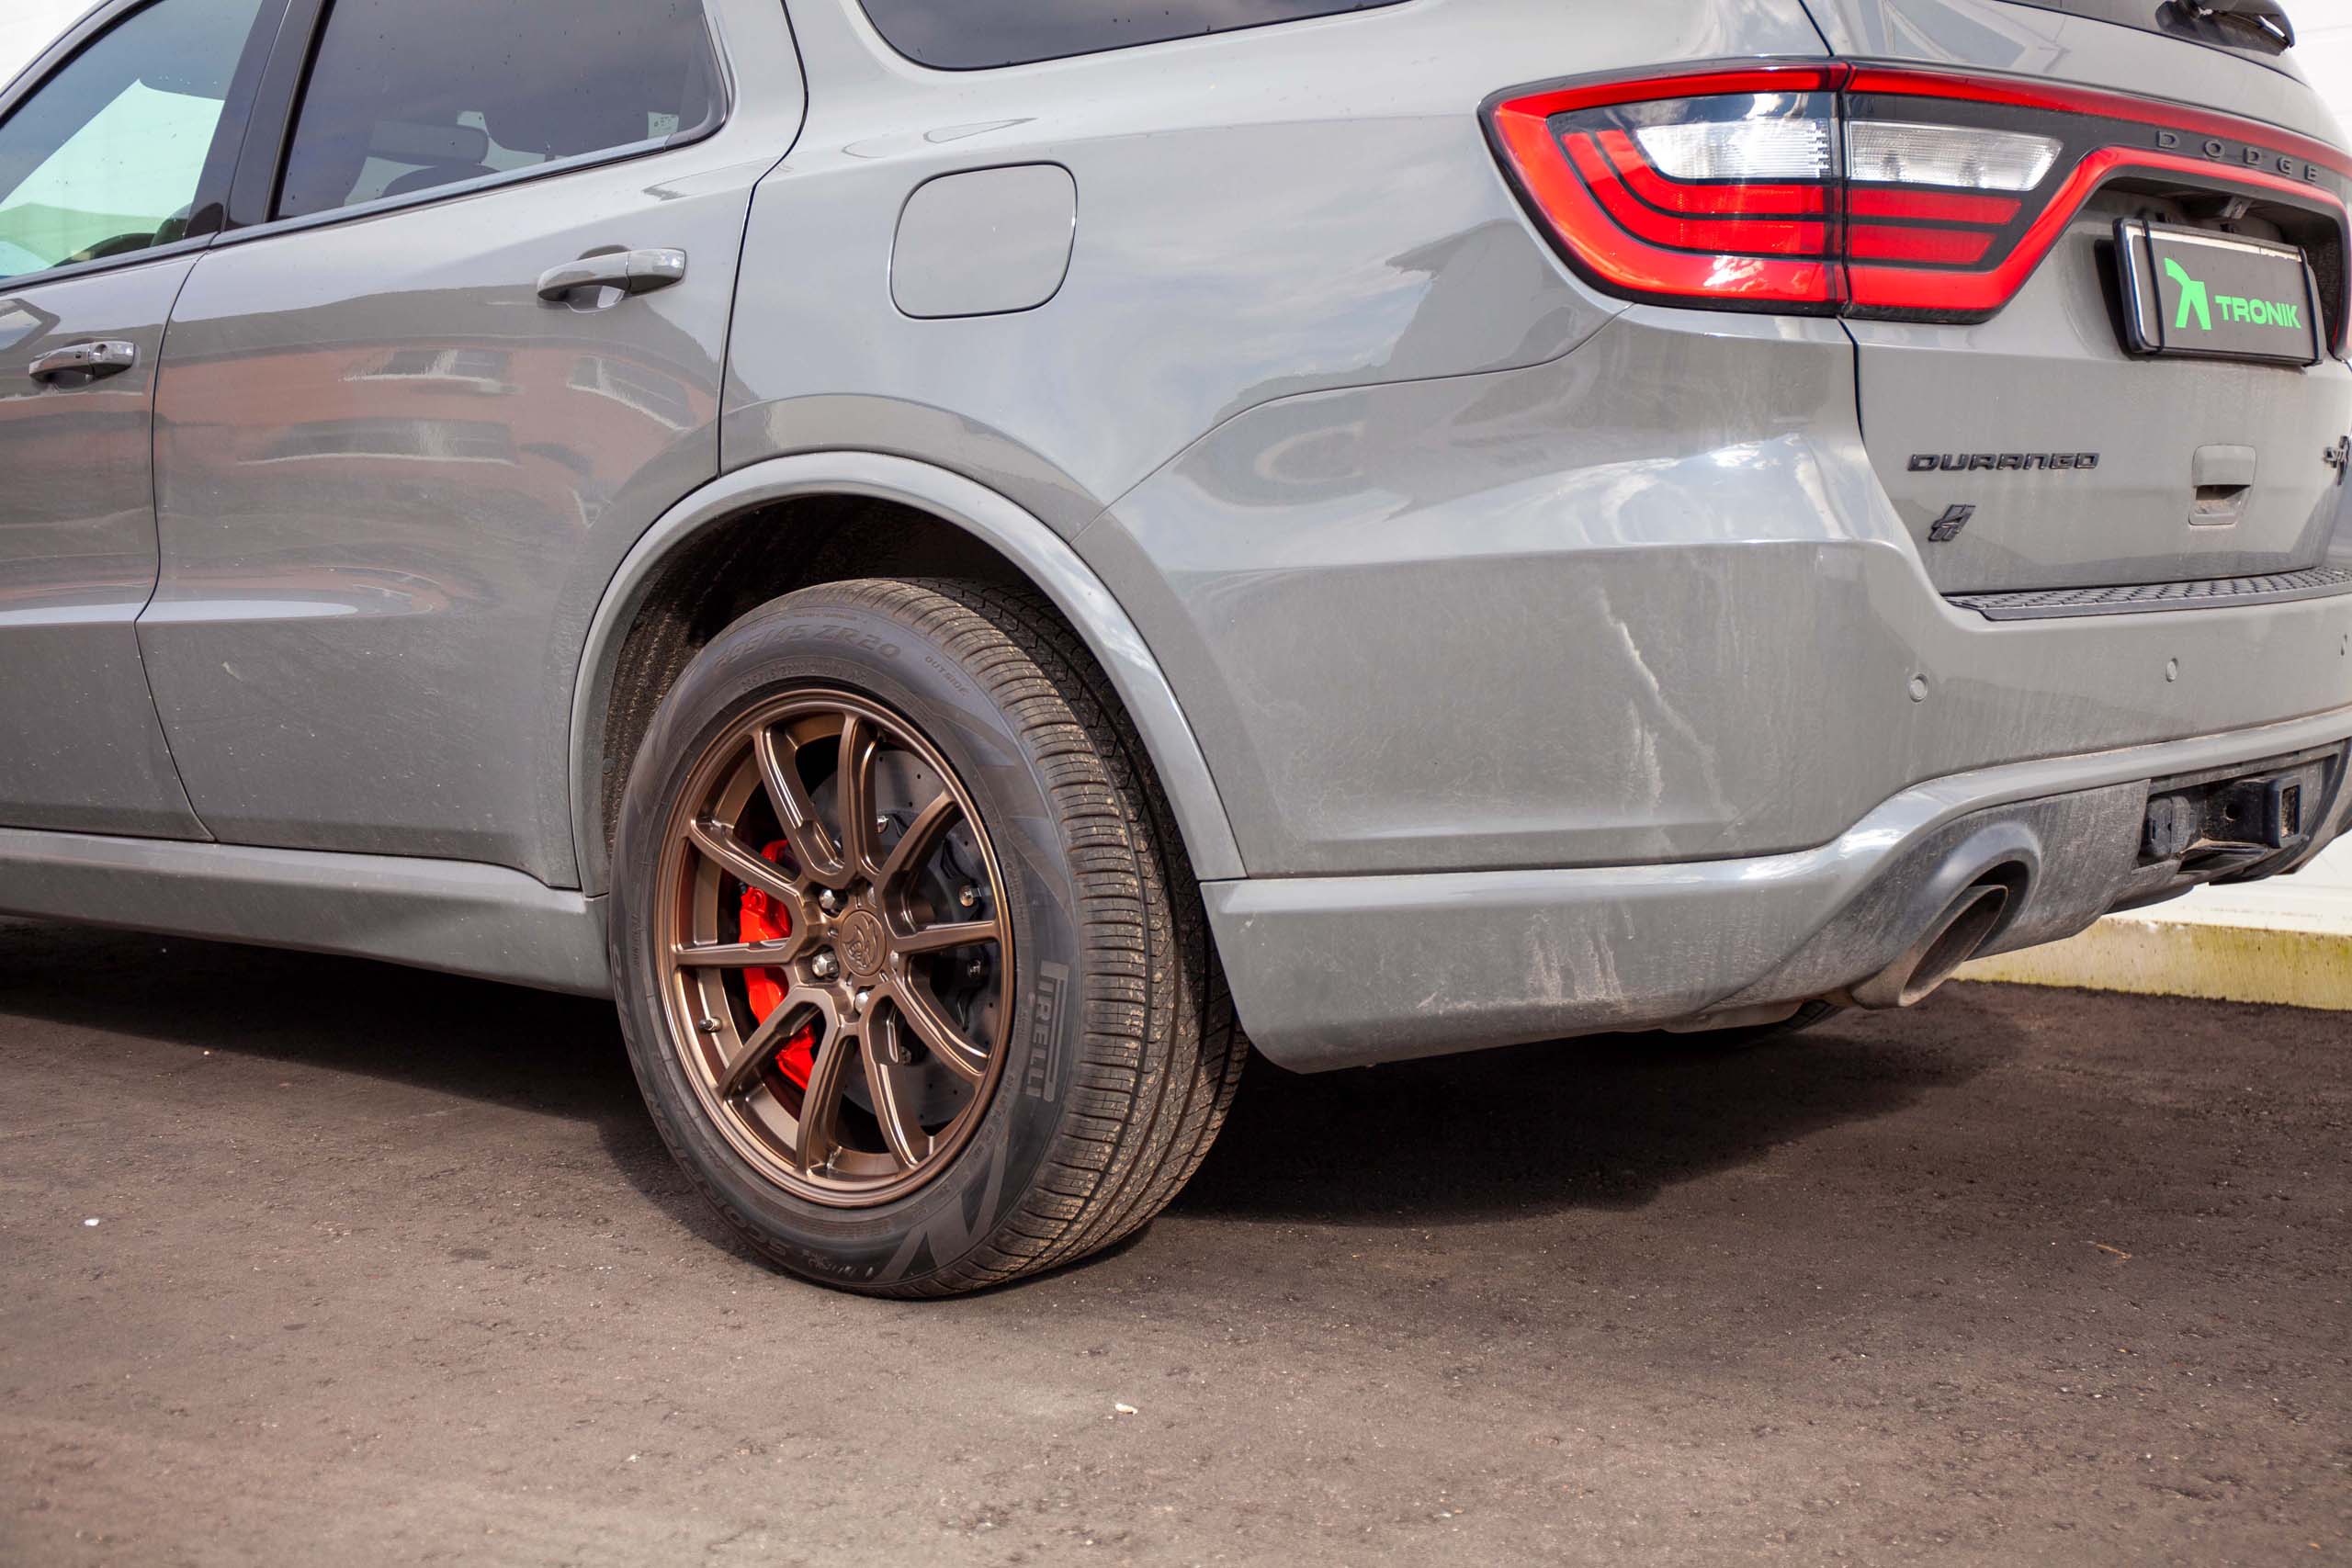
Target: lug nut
865, 1001
828, 900
825, 965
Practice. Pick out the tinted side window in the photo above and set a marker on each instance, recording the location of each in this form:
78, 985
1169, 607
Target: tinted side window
106, 157
963, 35
2251, 31
408, 96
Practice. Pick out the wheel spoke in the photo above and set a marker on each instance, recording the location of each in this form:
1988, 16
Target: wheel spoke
815, 1137
740, 955
752, 870
933, 938
795, 813
743, 1069
915, 845
893, 1108
921, 1012
854, 795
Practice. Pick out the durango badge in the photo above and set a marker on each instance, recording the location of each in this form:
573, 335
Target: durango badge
1966, 462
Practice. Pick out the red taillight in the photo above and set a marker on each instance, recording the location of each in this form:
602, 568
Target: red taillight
1766, 241
1931, 206
1866, 190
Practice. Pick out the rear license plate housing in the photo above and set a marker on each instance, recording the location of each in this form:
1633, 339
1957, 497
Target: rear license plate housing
2189, 293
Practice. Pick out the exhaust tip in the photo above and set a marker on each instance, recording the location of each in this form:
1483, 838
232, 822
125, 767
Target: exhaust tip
1950, 943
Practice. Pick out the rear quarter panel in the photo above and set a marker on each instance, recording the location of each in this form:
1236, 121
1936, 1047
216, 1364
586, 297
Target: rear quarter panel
2049, 372
1262, 213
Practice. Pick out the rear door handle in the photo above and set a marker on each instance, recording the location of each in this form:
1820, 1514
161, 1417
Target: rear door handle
631, 271
80, 363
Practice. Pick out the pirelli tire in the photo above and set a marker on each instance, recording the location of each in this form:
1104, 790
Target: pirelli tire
1038, 1101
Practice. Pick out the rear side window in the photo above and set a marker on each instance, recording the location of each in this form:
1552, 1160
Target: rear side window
410, 96
965, 34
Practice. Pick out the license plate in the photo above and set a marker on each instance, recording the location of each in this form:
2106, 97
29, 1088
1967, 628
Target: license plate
2188, 292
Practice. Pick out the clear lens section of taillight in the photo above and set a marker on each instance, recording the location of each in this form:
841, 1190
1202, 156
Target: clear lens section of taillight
1764, 142
1885, 152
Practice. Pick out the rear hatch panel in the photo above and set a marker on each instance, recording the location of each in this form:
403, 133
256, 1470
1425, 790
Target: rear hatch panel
2034, 449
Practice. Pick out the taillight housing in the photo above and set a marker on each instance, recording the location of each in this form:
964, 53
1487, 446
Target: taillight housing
1828, 189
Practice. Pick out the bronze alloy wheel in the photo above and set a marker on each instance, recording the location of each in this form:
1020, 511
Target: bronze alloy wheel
834, 949
912, 965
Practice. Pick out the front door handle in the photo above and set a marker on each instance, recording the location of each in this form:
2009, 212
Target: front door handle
631, 271
82, 363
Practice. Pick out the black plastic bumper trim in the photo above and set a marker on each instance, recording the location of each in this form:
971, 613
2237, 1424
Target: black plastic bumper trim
2140, 598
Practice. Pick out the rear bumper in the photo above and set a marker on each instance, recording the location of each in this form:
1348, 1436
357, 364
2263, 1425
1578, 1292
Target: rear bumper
1645, 619
1346, 971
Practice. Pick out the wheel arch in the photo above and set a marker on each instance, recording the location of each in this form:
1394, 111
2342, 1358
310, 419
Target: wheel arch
762, 497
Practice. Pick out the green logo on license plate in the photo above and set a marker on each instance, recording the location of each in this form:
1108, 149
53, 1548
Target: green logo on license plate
2194, 301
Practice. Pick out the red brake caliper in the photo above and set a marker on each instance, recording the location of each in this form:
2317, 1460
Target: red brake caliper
765, 920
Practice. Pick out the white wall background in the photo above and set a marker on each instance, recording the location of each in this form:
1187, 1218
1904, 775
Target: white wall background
2323, 49
28, 25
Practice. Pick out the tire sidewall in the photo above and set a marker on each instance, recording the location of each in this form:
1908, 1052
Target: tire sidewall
833, 636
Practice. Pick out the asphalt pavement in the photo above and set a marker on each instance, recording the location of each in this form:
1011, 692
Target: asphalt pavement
306, 1261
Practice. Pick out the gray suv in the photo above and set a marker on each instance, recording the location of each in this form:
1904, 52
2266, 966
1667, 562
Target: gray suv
954, 555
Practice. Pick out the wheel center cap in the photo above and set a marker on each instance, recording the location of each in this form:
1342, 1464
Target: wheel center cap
864, 943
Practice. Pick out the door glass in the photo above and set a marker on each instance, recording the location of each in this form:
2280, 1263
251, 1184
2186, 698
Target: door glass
409, 95
105, 159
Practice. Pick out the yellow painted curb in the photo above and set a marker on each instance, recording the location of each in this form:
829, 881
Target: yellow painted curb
2188, 958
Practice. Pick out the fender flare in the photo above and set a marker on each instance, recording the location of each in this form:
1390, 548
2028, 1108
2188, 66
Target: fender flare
1040, 555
